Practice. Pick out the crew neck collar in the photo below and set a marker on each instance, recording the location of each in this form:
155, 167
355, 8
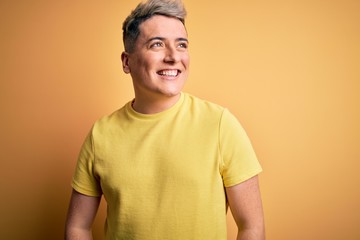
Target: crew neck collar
173, 108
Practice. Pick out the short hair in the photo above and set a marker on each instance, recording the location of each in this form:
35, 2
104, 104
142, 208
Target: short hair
144, 11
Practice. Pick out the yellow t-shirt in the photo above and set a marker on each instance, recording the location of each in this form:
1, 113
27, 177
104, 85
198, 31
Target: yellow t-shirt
163, 175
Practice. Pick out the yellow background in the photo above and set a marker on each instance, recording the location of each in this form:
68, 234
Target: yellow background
289, 70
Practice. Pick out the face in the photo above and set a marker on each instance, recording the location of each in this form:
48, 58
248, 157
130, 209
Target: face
159, 64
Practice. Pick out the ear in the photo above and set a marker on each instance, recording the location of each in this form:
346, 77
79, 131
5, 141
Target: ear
125, 62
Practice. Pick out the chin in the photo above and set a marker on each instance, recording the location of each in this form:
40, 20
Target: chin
171, 94
174, 92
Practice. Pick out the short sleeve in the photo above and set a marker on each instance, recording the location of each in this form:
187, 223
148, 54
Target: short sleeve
239, 161
85, 180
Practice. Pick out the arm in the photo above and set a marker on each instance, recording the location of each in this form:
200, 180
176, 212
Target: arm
246, 207
81, 214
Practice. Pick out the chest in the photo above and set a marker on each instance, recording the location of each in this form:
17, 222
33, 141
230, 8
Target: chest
159, 158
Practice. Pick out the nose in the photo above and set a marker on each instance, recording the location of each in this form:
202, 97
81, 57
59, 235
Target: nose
171, 55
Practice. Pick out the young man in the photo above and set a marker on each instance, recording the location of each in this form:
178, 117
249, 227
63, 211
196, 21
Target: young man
167, 163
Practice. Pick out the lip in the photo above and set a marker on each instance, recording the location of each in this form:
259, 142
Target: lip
169, 72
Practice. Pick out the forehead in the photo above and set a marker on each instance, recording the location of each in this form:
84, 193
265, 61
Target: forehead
162, 26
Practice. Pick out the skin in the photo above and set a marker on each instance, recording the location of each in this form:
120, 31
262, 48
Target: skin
246, 207
162, 47
81, 214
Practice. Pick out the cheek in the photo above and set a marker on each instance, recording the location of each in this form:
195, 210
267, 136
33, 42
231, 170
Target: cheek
147, 63
186, 60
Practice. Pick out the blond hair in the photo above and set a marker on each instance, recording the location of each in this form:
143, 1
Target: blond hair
144, 11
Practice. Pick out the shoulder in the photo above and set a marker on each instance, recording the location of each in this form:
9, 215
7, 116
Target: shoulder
208, 110
111, 122
197, 104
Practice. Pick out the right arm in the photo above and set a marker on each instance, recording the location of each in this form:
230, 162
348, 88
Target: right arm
81, 215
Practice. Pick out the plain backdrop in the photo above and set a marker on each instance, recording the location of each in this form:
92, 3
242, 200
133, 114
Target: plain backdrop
289, 70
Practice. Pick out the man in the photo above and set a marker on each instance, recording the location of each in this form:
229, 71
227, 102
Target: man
167, 163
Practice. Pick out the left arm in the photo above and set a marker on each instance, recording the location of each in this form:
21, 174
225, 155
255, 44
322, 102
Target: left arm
246, 207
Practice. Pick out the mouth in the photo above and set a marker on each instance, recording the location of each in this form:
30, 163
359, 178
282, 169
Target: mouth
169, 72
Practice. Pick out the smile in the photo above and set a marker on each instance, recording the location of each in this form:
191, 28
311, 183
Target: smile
169, 73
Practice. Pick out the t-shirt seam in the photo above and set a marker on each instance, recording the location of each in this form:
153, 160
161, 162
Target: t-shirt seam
83, 190
132, 114
93, 150
231, 181
96, 176
221, 161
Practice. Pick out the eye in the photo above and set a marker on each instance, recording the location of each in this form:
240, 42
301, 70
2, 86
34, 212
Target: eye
156, 44
183, 45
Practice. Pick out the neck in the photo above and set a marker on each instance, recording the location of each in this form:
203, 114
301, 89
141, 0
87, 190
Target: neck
152, 106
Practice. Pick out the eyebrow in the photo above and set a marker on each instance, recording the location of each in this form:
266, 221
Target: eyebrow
162, 39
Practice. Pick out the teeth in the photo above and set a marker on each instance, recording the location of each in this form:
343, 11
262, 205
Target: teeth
170, 73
